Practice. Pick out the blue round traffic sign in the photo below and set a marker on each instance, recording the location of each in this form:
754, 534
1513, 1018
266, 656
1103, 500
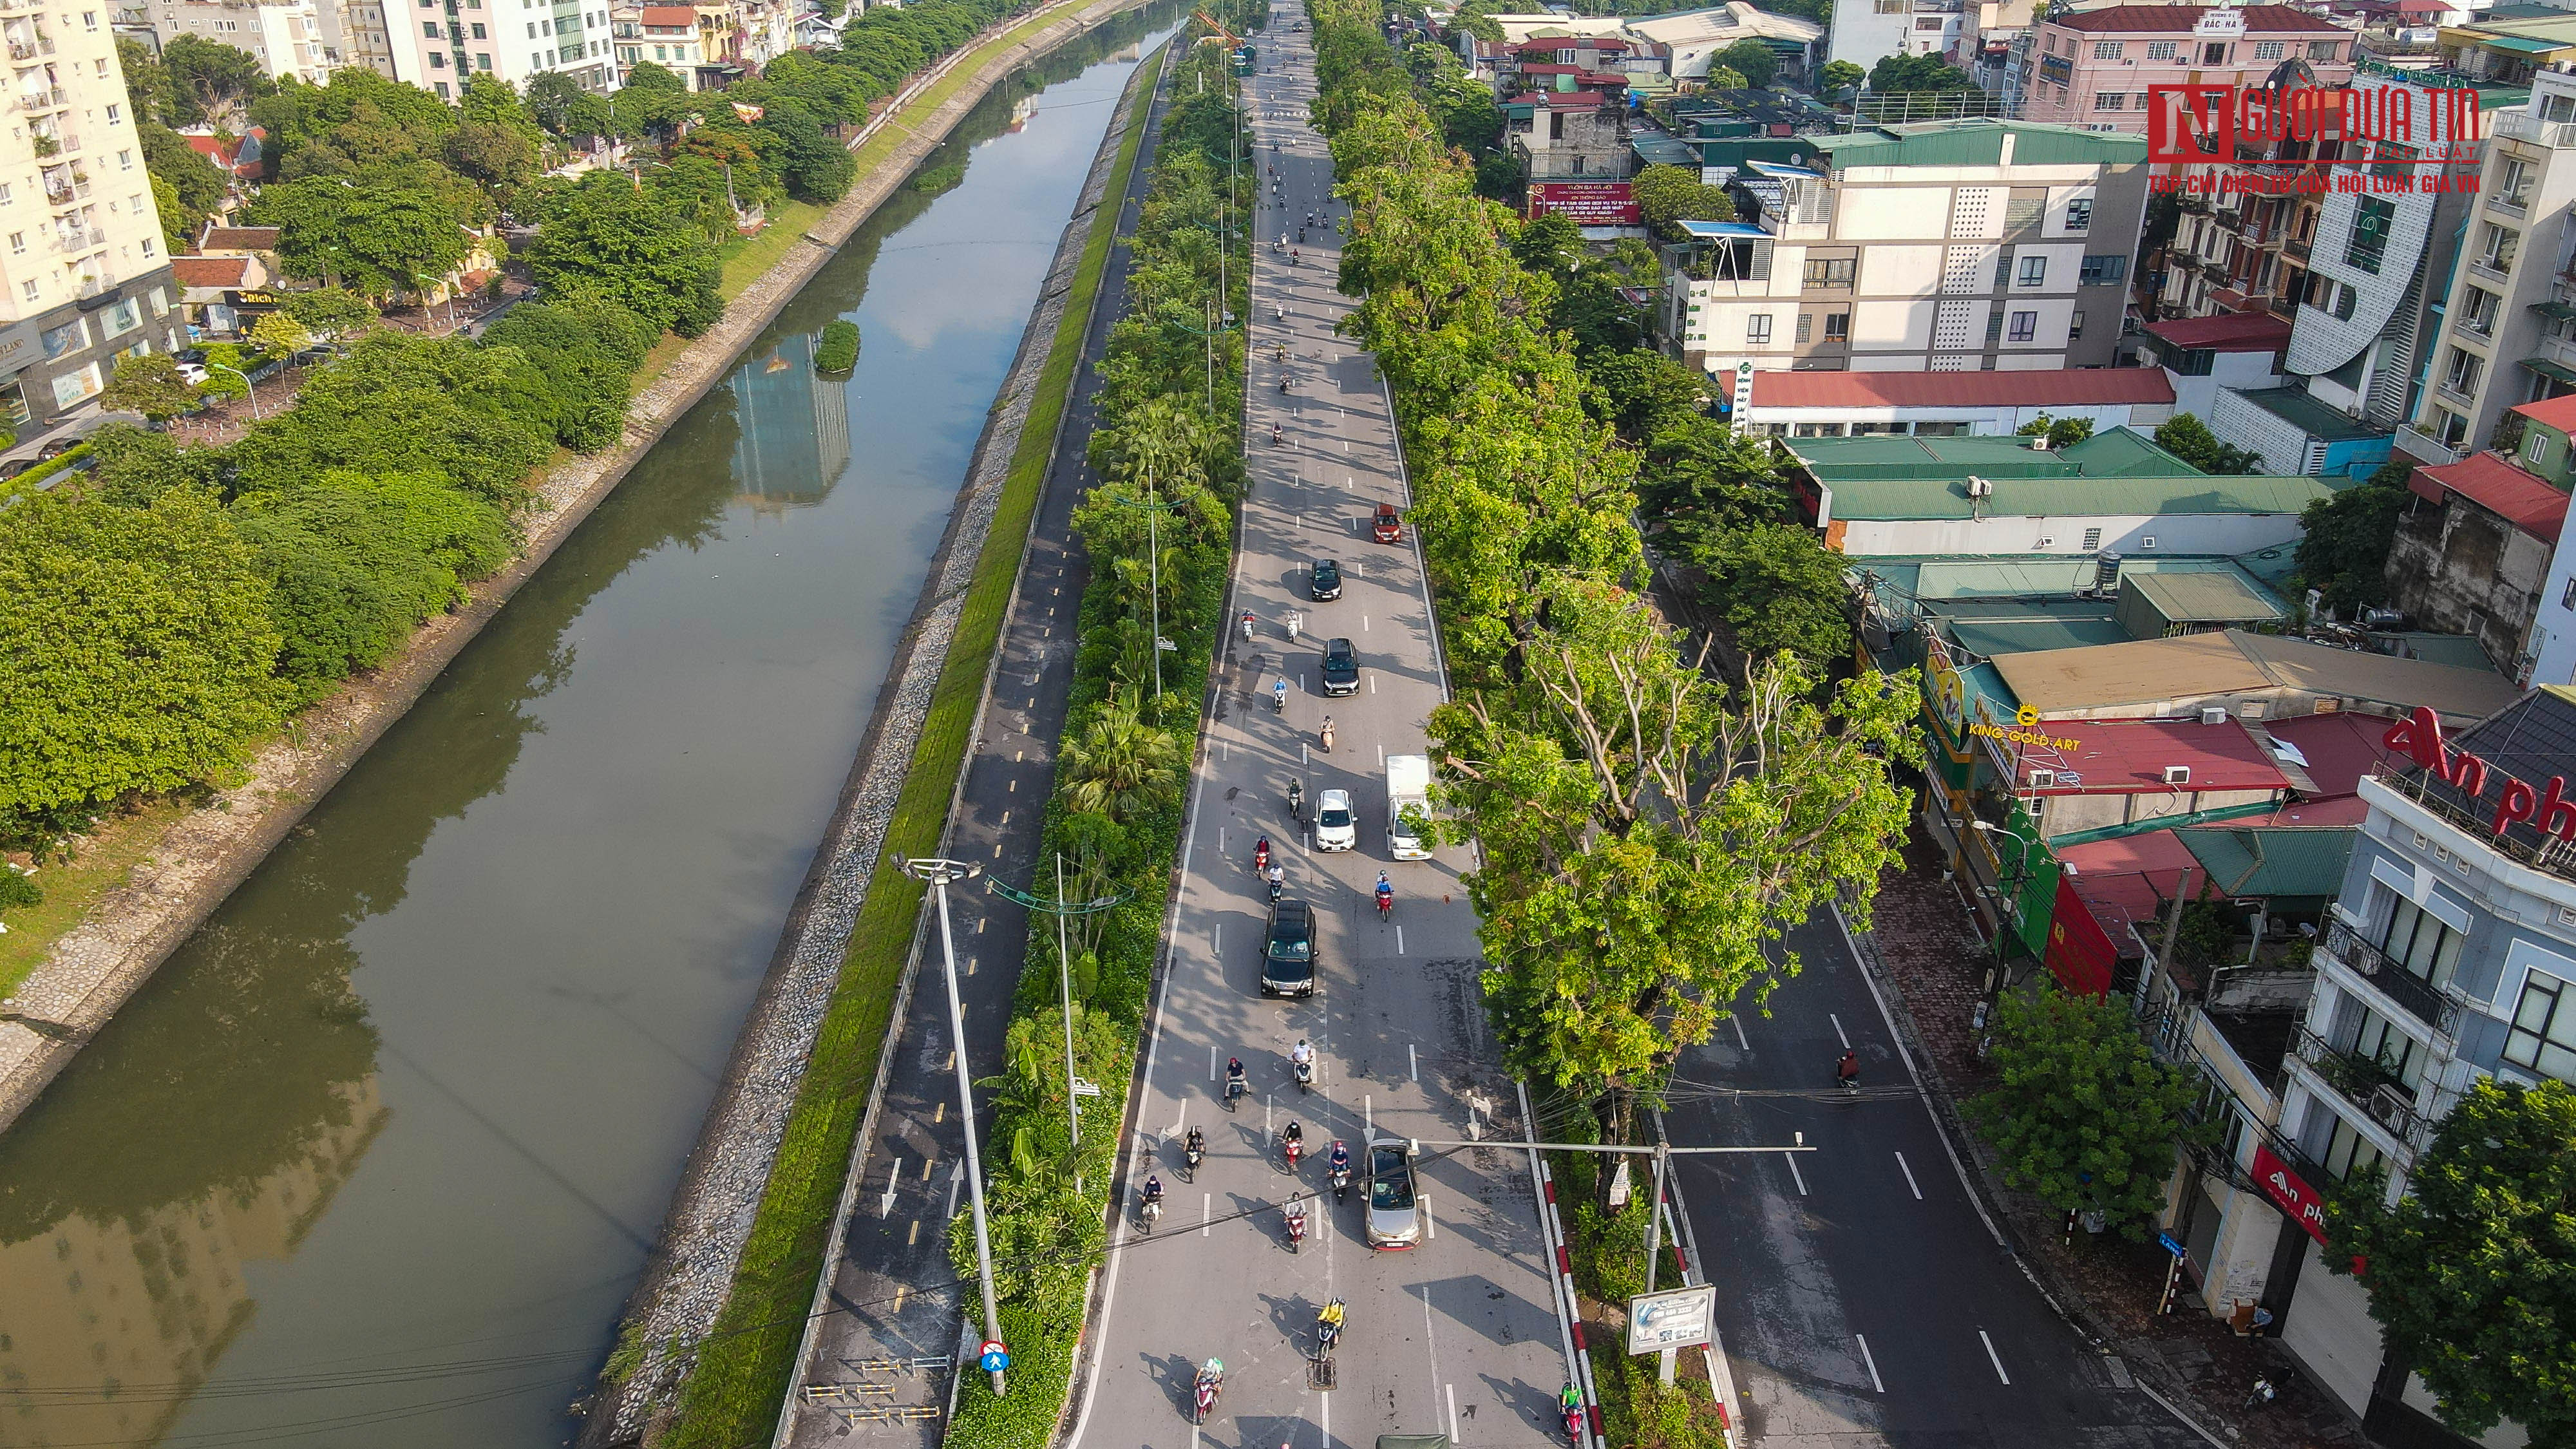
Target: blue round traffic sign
996, 1358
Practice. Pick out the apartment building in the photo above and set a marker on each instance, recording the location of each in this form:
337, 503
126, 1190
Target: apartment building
438, 43
292, 39
2093, 67
2508, 333
1945, 246
1864, 31
2450, 955
83, 278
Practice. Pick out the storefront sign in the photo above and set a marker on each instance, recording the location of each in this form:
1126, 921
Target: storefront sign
1587, 203
2551, 808
2040, 738
2290, 1192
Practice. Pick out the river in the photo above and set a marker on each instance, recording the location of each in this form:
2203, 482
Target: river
378, 1155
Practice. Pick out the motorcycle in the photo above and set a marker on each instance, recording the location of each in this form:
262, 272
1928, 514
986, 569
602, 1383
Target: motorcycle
1274, 435
1847, 1074
1385, 904
1328, 1328
1193, 1156
1296, 1225
1279, 697
1296, 801
1327, 736
1574, 1427
1234, 1088
1341, 1182
1278, 883
1208, 1389
1292, 1147
1305, 1084
1150, 1212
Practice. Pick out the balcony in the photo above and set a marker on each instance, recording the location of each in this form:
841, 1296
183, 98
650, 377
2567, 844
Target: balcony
30, 49
2296, 248
2367, 1083
44, 100
2493, 269
2558, 350
2421, 999
2423, 447
2531, 130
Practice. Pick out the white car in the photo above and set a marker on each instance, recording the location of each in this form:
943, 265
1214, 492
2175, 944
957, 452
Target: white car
192, 374
1335, 827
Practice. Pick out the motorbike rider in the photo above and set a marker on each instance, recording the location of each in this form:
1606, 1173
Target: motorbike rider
1153, 1188
1301, 1055
1294, 1139
1340, 1161
1234, 1076
1296, 1212
1279, 696
1296, 800
1212, 1373
1328, 1323
1195, 1144
1847, 1071
1278, 877
1385, 893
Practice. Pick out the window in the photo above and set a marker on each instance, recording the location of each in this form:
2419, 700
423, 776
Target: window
1757, 328
1891, 7
2003, 270
1994, 328
2543, 1035
2450, 427
2160, 50
2092, 539
2325, 49
2034, 271
438, 61
477, 28
2567, 600
2096, 271
17, 243
2345, 301
89, 20
2513, 181
1833, 272
2106, 50
2536, 451
1837, 326
429, 28
2079, 214
2419, 942
2478, 310
69, 337
1806, 326
122, 318
2380, 1041
2368, 245
2497, 246
28, 289
124, 162
2111, 101
482, 60
147, 244
2075, 327
2025, 327
2463, 371
2269, 50
532, 30
2348, 1152
115, 114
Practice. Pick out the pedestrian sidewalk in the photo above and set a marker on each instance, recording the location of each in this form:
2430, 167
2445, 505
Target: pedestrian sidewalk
1925, 942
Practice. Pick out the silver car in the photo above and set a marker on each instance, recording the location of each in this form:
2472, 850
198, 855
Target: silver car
1336, 828
1394, 1221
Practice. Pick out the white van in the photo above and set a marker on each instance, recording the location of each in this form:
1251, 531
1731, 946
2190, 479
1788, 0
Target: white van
1408, 806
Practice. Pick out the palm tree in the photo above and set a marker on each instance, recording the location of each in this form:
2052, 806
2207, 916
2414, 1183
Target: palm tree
1122, 767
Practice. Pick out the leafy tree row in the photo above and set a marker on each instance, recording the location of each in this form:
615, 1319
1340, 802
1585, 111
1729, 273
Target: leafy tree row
1649, 831
174, 604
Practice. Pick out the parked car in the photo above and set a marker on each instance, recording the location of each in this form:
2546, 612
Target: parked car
192, 373
1341, 667
1288, 950
1325, 580
1335, 826
1394, 1219
1387, 527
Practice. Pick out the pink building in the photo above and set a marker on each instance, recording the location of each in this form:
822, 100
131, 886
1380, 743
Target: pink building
2092, 68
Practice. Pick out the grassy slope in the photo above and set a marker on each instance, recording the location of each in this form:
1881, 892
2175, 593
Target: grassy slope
742, 1373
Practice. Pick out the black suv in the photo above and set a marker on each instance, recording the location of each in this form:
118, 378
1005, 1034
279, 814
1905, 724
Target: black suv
1326, 583
1341, 667
1288, 951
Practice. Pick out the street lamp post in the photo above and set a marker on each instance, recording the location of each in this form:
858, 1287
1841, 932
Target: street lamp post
1153, 508
250, 389
2005, 899
1075, 1088
939, 872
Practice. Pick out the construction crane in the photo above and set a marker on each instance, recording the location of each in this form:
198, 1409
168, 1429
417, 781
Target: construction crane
1233, 41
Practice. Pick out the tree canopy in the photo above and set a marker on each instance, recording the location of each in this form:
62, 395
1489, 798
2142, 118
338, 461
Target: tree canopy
2082, 1114
611, 243
2343, 552
1756, 62
1917, 73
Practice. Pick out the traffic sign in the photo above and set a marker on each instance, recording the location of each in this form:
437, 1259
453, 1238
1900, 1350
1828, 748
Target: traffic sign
2166, 1242
993, 1357
1671, 1319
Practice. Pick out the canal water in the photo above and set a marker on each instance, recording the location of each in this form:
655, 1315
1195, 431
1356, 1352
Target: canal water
378, 1155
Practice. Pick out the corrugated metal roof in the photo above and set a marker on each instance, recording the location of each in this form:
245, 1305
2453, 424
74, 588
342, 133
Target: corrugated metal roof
1898, 498
1979, 142
2199, 666
2067, 387
2294, 861
2116, 452
2179, 19
2202, 598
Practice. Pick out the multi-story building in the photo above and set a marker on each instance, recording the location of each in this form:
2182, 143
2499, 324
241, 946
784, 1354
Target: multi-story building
83, 277
1941, 246
2508, 332
2449, 957
291, 39
1865, 31
2093, 67
438, 43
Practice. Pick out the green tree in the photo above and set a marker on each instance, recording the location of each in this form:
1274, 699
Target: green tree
1648, 836
130, 467
1667, 194
1751, 59
281, 334
146, 83
148, 383
611, 243
1726, 78
1841, 75
813, 166
2082, 1115
382, 241
1917, 73
1777, 588
1649, 393
2188, 438
196, 186
330, 312
501, 158
210, 81
2347, 538
1121, 767
138, 659
2473, 1272
1704, 470
2060, 432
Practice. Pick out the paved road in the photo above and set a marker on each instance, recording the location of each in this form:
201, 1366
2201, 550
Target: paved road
1460, 1335
898, 1239
1864, 1299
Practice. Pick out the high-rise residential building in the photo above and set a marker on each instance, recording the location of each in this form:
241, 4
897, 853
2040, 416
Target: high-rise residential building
1945, 246
1866, 31
438, 43
83, 275
2092, 68
290, 39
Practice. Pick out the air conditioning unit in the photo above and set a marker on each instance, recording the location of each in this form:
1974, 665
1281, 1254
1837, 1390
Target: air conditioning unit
1980, 487
2177, 774
2043, 779
2213, 714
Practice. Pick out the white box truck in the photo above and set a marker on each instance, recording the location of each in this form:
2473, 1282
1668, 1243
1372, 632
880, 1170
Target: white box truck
1408, 806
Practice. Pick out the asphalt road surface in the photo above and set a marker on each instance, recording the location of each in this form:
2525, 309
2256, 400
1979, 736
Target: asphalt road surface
1460, 1334
1864, 1297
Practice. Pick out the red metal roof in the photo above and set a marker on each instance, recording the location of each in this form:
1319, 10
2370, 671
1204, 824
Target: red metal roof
239, 238
2130, 756
2226, 332
2179, 19
2339, 749
2063, 388
2525, 500
209, 271
670, 15
2557, 412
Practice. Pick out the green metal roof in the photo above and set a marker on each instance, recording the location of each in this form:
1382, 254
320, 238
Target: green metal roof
1979, 141
1988, 585
1892, 499
2292, 405
2117, 453
2550, 370
2124, 452
2522, 43
1989, 638
2204, 598
2292, 860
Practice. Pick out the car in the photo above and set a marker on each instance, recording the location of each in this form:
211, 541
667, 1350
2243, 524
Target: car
1387, 527
1325, 580
1336, 828
190, 354
1394, 1220
1341, 667
1288, 950
193, 374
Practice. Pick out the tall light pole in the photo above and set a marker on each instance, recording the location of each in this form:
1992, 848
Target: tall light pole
250, 390
939, 873
1075, 1088
2005, 903
1154, 574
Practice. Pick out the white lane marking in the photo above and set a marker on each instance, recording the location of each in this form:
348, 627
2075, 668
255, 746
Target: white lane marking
1838, 1029
1267, 1109
1363, 623
1381, 754
1909, 1177
1180, 1117
1431, 1345
1453, 1411
1994, 1358
1738, 1023
1211, 1061
885, 1205
1207, 1212
1216, 941
1372, 684
1412, 1062
1791, 1158
1324, 1398
1399, 940
1368, 1112
1870, 1359
1430, 1224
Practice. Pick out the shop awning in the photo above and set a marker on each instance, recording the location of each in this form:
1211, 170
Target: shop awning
2551, 370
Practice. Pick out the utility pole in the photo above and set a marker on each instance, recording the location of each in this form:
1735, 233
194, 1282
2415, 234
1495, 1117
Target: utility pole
1154, 506
1075, 1087
939, 872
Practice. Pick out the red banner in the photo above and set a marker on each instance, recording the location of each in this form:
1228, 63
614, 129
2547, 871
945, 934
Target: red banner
1587, 203
2080, 953
2291, 1191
